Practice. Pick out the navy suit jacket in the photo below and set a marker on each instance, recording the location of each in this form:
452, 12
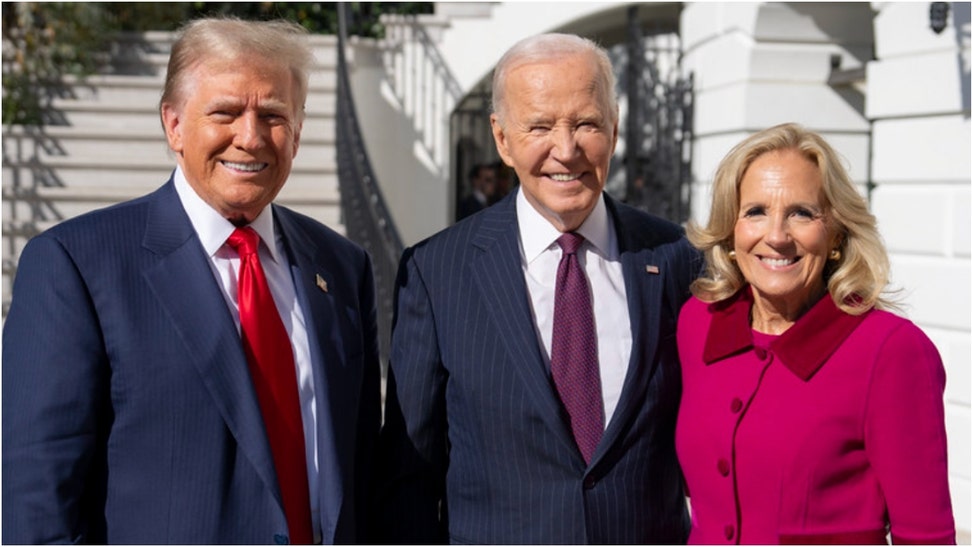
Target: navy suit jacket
128, 411
476, 446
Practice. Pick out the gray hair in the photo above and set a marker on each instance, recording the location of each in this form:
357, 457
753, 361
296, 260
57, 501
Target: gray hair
232, 39
553, 46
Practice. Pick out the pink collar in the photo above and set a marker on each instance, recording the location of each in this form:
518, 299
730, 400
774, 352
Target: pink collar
803, 348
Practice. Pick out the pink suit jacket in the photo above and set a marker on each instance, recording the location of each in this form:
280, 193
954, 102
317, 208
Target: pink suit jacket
828, 433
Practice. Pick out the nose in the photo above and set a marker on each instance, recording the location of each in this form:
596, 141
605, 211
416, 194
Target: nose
564, 144
249, 134
779, 231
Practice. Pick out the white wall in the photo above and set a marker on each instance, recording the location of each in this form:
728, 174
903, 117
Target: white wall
918, 99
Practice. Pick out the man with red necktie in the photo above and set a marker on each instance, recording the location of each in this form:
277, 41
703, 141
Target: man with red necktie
198, 365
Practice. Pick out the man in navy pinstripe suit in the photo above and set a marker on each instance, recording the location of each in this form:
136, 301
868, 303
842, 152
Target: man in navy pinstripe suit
477, 446
129, 412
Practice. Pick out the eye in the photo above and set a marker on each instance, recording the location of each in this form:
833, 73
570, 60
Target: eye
223, 115
803, 214
754, 211
274, 118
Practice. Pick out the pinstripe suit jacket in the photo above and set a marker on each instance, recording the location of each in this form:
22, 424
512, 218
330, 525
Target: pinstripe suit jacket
128, 412
476, 448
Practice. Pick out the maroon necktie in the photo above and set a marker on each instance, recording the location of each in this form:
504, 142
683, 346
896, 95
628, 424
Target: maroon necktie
573, 353
271, 363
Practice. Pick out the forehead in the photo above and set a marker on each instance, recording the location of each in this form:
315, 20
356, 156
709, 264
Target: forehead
787, 173
561, 80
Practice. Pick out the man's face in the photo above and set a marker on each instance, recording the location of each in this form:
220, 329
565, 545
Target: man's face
558, 136
485, 181
236, 134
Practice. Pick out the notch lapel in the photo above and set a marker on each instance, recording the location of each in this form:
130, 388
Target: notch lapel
498, 273
644, 293
328, 347
185, 288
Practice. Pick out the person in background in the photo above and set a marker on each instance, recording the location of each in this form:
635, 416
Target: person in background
534, 382
482, 178
504, 179
198, 365
811, 413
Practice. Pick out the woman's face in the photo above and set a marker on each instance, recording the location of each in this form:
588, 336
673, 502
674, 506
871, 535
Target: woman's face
782, 238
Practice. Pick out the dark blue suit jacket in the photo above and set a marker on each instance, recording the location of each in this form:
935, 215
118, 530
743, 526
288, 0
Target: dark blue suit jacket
128, 411
476, 446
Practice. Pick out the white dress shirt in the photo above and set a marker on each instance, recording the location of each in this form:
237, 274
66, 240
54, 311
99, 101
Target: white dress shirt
601, 260
213, 230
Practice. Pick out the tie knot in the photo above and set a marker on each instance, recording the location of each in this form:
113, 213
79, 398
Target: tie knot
244, 240
570, 242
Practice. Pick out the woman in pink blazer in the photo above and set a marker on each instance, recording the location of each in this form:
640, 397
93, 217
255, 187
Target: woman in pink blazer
810, 413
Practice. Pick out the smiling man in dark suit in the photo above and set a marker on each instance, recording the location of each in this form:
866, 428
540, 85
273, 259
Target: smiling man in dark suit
197, 365
534, 377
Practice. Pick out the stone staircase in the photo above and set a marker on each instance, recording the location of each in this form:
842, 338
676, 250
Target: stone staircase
109, 147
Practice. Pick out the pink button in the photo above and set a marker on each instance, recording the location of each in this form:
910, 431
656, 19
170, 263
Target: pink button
736, 405
723, 467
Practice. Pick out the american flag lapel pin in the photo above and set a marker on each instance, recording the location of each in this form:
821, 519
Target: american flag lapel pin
651, 268
321, 284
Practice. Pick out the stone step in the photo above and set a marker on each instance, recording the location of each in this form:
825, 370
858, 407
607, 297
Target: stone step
317, 130
146, 89
144, 180
144, 153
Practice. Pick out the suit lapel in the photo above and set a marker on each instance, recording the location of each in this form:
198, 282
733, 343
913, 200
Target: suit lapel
183, 283
308, 267
644, 293
498, 274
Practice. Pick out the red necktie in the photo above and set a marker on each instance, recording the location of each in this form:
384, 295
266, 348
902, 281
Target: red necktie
573, 353
271, 364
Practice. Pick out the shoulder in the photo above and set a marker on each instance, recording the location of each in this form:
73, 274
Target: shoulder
900, 346
648, 227
105, 228
296, 224
695, 315
884, 327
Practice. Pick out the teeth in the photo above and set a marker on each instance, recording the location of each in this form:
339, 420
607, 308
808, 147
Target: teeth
249, 167
778, 261
565, 177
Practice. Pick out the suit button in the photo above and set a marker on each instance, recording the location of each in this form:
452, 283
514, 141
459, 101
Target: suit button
589, 482
736, 405
730, 531
280, 539
723, 467
760, 353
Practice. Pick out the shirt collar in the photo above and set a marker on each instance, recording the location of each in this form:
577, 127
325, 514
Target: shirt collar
537, 234
803, 348
212, 228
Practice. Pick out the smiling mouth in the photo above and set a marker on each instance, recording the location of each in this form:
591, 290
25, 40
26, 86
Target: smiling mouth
779, 262
564, 177
253, 167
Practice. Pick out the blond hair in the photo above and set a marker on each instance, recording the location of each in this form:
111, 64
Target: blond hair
232, 39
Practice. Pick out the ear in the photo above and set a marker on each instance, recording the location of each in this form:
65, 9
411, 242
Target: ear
502, 144
173, 128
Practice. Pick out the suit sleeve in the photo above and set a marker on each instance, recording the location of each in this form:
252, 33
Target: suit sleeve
905, 438
413, 439
55, 400
369, 416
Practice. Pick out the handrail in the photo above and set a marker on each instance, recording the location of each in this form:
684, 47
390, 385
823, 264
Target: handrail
367, 219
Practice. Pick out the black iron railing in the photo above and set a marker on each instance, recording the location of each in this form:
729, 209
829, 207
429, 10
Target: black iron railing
367, 220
